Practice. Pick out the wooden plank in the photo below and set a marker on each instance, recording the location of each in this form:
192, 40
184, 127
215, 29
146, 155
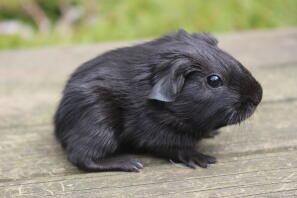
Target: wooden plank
262, 48
271, 190
235, 176
278, 81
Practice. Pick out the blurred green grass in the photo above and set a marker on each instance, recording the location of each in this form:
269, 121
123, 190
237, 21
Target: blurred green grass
133, 19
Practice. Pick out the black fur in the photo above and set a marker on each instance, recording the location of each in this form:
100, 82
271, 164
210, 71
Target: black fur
152, 97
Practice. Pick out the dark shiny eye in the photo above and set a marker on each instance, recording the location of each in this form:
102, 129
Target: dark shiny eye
214, 81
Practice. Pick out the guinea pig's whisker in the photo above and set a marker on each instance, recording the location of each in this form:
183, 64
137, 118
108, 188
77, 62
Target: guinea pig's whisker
231, 118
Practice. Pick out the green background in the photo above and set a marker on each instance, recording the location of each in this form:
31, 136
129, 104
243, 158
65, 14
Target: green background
103, 20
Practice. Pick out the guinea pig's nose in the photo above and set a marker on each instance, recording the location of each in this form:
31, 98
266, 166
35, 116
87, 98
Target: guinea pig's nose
253, 100
252, 95
258, 94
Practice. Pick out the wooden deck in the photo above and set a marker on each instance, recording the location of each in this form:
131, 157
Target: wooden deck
256, 159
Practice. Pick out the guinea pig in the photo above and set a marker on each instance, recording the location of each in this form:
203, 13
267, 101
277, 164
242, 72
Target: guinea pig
160, 97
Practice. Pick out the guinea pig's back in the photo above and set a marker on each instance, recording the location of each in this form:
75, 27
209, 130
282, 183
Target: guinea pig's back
118, 69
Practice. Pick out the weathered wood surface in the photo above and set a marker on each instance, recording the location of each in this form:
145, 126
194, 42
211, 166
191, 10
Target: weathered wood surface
256, 159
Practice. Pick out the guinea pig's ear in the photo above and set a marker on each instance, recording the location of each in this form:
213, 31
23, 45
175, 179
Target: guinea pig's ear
169, 85
208, 38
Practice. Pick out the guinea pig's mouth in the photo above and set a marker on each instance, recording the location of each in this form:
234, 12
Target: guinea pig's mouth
240, 114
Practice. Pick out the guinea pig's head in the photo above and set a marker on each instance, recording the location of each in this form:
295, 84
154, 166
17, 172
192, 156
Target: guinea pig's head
201, 84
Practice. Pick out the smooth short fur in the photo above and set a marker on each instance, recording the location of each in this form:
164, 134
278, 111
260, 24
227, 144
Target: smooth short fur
153, 97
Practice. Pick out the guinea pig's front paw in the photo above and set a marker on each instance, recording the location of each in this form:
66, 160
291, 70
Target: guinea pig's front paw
192, 158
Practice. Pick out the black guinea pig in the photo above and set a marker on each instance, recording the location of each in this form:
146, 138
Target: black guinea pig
159, 97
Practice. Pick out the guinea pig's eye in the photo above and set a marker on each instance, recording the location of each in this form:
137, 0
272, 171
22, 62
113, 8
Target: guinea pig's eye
214, 81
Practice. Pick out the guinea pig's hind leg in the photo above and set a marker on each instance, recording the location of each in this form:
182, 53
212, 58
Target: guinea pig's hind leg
96, 149
86, 124
115, 163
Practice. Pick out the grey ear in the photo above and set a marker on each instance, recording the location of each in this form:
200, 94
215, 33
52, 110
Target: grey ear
208, 38
169, 86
